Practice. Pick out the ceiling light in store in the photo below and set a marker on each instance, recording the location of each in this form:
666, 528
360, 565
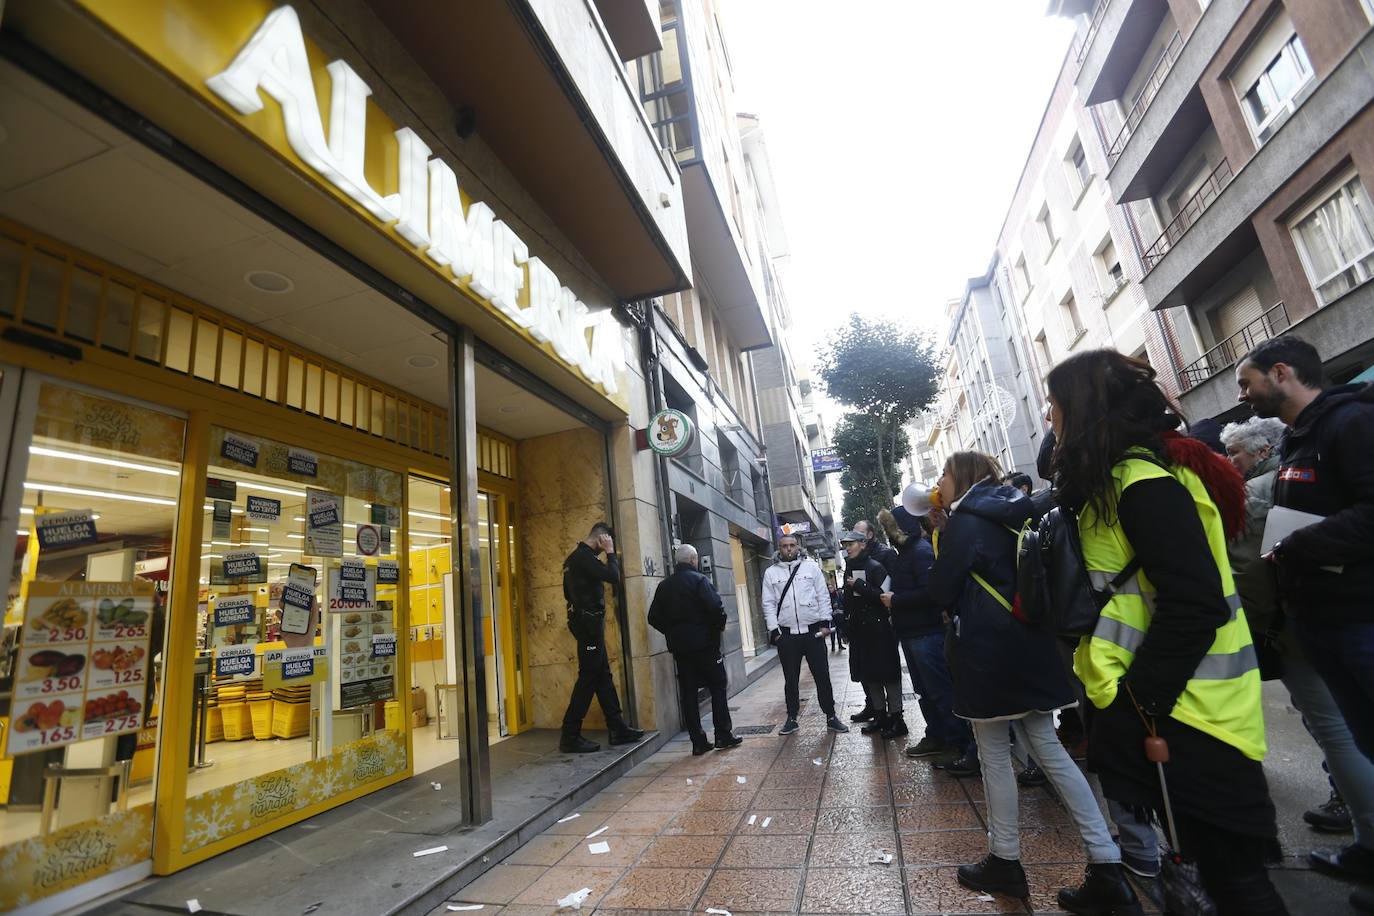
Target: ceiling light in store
269, 281
430, 515
210, 508
250, 485
25, 510
22, 532
98, 494
421, 361
108, 462
258, 530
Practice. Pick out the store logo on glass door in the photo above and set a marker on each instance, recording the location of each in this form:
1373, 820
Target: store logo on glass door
469, 245
109, 426
74, 856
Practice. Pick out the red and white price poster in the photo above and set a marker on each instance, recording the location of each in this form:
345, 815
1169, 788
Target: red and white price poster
83, 663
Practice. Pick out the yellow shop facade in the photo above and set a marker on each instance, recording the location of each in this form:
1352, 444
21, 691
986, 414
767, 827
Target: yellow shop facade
306, 392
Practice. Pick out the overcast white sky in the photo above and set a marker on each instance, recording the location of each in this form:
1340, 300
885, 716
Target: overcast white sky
897, 130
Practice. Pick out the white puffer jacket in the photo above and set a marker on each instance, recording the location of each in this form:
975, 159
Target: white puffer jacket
807, 601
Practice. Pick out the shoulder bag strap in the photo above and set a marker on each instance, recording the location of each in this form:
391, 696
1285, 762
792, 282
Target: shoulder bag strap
783, 593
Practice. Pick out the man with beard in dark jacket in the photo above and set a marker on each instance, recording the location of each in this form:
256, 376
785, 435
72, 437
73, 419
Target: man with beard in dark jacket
1326, 569
688, 611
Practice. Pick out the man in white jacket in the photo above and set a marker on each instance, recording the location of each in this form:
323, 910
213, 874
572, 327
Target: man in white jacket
796, 608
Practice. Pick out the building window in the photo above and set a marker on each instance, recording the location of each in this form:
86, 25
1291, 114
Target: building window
1274, 79
1011, 351
1336, 241
1080, 173
1042, 353
1023, 280
1110, 274
1046, 226
1073, 322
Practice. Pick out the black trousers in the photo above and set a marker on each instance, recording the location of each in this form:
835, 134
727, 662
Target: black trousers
593, 677
703, 668
792, 648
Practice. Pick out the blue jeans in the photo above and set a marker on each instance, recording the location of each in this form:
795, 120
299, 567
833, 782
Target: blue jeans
1036, 732
1343, 655
1351, 771
925, 661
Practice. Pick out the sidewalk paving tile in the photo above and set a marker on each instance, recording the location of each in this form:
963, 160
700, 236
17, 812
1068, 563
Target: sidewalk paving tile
624, 852
753, 890
657, 889
703, 822
844, 820
545, 849
780, 820
683, 851
943, 847
560, 881
873, 889
851, 850
783, 851
503, 883
938, 817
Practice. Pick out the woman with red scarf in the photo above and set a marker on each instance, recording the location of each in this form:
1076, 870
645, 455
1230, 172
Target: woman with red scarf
1170, 657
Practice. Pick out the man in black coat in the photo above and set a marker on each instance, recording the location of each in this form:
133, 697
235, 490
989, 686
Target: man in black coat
688, 611
585, 578
872, 546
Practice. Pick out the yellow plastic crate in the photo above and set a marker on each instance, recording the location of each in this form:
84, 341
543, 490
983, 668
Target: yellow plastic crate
237, 721
290, 720
393, 716
214, 725
262, 719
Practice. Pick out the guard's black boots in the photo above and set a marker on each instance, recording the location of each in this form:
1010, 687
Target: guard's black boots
1104, 892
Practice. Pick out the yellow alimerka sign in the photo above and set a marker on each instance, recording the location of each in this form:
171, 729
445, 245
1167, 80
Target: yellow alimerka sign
255, 64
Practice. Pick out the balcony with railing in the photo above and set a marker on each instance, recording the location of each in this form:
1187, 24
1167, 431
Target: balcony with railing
1227, 353
1094, 25
1189, 214
1147, 95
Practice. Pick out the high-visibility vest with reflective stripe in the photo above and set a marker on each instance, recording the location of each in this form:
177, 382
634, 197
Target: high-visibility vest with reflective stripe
1223, 696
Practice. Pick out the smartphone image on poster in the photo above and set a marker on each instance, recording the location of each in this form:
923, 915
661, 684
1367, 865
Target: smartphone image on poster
298, 600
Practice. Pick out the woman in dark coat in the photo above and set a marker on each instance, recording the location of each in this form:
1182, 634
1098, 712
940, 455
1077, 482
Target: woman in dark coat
1006, 672
873, 660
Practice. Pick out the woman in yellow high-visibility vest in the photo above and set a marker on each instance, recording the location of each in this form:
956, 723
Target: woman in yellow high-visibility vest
1171, 654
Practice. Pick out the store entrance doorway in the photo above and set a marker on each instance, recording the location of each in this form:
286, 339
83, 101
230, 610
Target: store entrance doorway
90, 495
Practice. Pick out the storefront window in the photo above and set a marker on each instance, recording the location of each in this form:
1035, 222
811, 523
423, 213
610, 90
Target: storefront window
82, 663
300, 607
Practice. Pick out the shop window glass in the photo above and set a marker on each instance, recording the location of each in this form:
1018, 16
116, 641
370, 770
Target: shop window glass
295, 381
83, 631
179, 325
11, 261
83, 305
44, 292
119, 316
230, 358
314, 392
252, 367
272, 531
207, 348
152, 316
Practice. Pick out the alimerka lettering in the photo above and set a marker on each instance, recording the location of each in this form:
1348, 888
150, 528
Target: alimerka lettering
427, 208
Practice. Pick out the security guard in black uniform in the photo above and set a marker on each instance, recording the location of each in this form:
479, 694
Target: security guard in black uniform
584, 580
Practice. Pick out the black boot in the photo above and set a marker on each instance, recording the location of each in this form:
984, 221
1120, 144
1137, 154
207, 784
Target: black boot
896, 728
875, 727
576, 744
726, 741
626, 735
864, 715
995, 876
1104, 892
701, 744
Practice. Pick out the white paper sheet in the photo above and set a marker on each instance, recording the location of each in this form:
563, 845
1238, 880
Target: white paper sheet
599, 849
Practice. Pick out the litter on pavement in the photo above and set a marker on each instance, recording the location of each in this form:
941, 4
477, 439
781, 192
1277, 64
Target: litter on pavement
564, 820
766, 822
574, 900
599, 849
193, 905
752, 818
597, 832
463, 907
429, 852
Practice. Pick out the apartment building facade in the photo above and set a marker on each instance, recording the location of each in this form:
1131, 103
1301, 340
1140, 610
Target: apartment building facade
1244, 143
700, 341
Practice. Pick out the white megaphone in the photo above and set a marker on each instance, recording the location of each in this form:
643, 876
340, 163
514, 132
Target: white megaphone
918, 499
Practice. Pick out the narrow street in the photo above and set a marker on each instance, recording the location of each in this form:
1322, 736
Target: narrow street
803, 823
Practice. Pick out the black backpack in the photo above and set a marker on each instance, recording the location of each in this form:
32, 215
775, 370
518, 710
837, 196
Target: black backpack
1052, 581
1052, 577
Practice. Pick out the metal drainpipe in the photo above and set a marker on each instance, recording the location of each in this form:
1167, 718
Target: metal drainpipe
650, 365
